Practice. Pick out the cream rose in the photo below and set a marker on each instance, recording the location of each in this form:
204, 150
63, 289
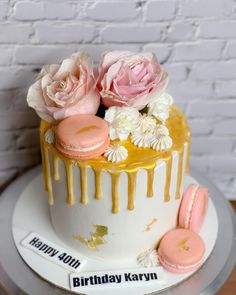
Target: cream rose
65, 90
130, 79
160, 107
122, 121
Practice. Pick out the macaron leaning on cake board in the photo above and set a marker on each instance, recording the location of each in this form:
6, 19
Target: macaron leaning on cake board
82, 136
181, 251
193, 208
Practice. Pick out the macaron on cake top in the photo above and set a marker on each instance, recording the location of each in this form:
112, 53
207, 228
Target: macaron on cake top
82, 136
193, 208
181, 251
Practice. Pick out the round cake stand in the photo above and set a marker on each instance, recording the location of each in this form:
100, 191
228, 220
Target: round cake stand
18, 278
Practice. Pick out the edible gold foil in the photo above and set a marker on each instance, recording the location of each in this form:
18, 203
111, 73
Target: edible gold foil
149, 226
96, 237
182, 245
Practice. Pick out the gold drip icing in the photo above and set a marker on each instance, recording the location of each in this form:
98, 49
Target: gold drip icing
42, 147
47, 174
150, 175
83, 183
149, 226
168, 179
188, 158
138, 158
98, 184
131, 189
115, 192
56, 175
180, 175
70, 196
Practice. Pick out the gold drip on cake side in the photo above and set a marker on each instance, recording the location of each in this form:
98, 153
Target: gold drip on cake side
138, 158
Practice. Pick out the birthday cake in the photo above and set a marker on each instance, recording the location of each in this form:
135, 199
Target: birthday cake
115, 152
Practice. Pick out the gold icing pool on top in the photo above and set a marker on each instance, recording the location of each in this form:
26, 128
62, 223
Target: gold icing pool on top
138, 158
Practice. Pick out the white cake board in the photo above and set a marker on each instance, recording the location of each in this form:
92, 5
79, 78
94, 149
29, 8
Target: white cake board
31, 214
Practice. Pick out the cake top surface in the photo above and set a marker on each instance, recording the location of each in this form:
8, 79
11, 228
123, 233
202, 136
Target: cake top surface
138, 157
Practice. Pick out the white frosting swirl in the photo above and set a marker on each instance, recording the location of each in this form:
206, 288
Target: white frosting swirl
161, 130
141, 139
116, 153
148, 258
161, 142
49, 136
147, 124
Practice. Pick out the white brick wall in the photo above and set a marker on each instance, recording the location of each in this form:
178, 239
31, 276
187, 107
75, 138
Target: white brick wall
194, 39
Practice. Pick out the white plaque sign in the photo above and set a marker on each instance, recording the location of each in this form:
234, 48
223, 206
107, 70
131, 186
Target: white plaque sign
83, 281
52, 252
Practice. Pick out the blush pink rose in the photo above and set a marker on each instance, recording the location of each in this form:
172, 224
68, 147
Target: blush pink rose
130, 79
65, 90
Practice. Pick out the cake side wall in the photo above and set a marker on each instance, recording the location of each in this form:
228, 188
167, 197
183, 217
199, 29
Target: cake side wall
129, 232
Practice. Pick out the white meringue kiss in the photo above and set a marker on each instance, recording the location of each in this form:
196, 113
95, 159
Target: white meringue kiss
116, 153
161, 142
148, 258
147, 124
49, 136
141, 139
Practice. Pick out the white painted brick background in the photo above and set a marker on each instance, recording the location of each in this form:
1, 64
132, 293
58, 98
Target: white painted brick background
194, 39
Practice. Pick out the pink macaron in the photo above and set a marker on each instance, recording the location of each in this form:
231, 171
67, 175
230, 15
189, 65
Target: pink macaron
82, 136
181, 251
193, 208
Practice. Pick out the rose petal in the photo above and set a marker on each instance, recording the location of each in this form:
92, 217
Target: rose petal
140, 71
88, 105
48, 69
109, 102
67, 66
111, 57
82, 58
109, 76
130, 90
35, 100
46, 80
44, 116
107, 59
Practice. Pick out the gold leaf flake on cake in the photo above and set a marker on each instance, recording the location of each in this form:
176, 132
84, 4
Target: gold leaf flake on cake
96, 237
149, 226
182, 245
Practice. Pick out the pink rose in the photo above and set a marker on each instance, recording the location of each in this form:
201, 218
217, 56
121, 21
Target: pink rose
130, 79
65, 90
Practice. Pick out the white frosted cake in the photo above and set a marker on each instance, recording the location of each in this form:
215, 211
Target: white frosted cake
115, 151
